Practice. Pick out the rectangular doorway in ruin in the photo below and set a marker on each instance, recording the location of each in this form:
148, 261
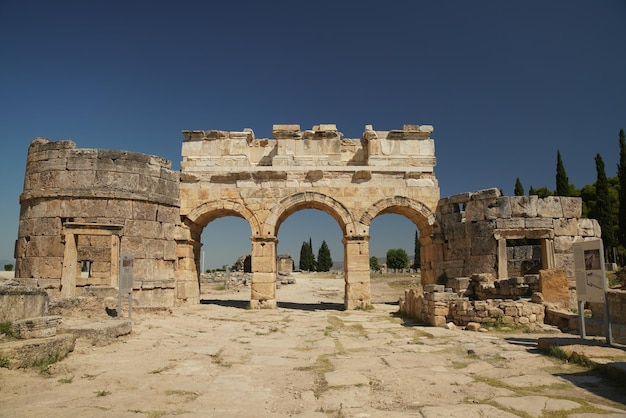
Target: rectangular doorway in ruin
523, 256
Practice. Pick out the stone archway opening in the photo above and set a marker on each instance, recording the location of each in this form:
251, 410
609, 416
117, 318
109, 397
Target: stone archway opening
392, 231
314, 226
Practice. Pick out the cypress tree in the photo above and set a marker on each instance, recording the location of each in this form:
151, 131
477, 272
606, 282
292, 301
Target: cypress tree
562, 182
417, 262
519, 189
603, 207
621, 174
324, 260
531, 191
307, 262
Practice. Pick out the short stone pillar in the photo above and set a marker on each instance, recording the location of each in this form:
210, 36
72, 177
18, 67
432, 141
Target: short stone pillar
357, 272
263, 273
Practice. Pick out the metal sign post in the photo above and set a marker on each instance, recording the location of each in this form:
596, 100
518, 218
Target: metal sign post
126, 283
591, 283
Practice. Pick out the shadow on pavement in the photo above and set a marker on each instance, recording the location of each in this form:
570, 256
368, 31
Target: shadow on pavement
245, 304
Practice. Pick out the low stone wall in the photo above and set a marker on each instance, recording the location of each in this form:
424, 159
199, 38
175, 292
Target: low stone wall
483, 286
437, 307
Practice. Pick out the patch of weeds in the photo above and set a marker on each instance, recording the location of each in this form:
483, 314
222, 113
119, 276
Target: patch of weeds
43, 365
66, 379
89, 376
100, 393
7, 329
150, 414
418, 335
459, 365
162, 369
218, 358
321, 366
4, 362
189, 396
339, 347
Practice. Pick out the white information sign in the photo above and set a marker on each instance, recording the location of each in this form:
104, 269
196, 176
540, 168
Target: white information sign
591, 283
126, 273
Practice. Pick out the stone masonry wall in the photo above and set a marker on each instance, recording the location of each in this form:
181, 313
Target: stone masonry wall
437, 307
68, 186
473, 229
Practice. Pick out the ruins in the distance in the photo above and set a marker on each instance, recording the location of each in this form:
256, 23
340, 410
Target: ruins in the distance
82, 208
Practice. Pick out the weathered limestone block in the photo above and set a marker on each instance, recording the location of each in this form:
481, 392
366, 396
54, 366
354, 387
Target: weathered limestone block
510, 223
481, 264
572, 207
460, 198
39, 327
523, 206
25, 353
549, 207
21, 302
264, 290
566, 226
539, 223
483, 246
481, 229
563, 244
553, 285
485, 194
589, 228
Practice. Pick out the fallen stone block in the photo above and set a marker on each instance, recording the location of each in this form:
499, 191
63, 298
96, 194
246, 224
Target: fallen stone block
27, 353
99, 333
40, 327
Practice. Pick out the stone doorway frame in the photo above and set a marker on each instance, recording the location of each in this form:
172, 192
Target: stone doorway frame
71, 232
545, 236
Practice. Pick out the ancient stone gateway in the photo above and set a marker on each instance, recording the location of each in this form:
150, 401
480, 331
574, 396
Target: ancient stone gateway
82, 208
266, 180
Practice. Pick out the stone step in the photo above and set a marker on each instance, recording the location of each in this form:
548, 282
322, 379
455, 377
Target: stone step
40, 327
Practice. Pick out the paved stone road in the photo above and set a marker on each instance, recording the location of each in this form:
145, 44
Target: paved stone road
306, 359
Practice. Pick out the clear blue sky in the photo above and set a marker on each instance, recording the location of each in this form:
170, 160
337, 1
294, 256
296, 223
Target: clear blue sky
505, 84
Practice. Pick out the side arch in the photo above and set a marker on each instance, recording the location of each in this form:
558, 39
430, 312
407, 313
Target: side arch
422, 217
416, 211
210, 211
307, 200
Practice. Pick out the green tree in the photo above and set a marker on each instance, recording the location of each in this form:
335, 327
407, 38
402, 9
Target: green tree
531, 191
540, 192
8, 267
417, 261
621, 175
374, 266
603, 209
324, 260
519, 189
307, 261
397, 259
562, 182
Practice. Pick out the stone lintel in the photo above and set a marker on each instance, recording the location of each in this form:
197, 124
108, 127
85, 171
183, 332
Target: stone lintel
523, 233
92, 228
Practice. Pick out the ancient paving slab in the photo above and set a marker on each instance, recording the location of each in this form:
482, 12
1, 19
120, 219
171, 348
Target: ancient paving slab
465, 411
536, 406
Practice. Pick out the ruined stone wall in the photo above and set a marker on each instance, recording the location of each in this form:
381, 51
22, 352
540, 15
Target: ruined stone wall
473, 229
92, 192
437, 307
